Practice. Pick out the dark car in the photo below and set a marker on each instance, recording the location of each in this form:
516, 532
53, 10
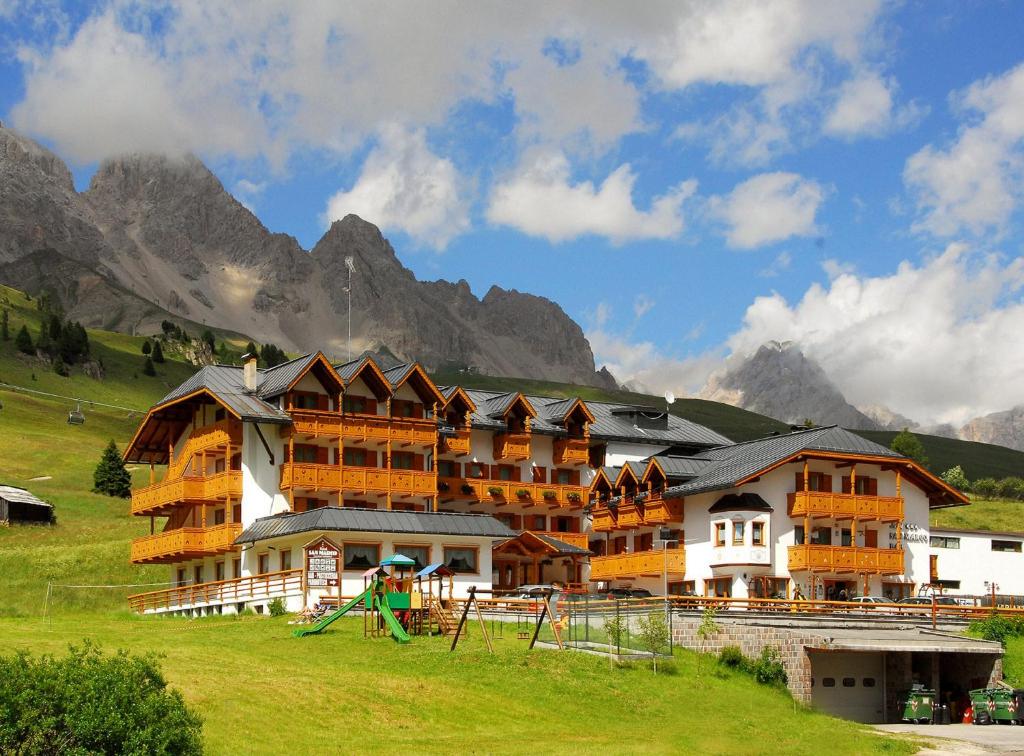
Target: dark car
628, 593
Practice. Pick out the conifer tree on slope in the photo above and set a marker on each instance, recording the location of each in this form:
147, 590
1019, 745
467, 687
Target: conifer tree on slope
111, 477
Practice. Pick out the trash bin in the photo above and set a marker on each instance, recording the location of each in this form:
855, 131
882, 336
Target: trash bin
984, 705
941, 715
1006, 708
919, 705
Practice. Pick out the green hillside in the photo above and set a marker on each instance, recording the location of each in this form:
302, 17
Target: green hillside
977, 460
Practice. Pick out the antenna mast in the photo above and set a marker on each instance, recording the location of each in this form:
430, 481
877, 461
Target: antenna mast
349, 263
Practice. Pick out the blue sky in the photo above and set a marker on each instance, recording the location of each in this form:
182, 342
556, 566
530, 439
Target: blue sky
687, 179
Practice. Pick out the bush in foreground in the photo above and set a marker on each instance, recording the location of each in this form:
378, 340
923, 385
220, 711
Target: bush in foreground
89, 702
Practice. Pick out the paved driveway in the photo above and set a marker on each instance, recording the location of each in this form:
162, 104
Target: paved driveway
965, 739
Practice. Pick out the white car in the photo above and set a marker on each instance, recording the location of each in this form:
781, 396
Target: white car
872, 602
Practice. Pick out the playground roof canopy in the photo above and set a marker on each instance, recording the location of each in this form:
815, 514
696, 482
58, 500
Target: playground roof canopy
438, 569
398, 560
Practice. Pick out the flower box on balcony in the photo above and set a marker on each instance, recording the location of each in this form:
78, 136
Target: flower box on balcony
522, 493
466, 488
574, 497
549, 495
442, 486
495, 490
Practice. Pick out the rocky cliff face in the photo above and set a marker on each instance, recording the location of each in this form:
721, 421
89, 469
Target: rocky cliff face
1004, 428
156, 236
779, 381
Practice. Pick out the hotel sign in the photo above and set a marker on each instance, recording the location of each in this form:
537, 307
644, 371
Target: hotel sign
323, 564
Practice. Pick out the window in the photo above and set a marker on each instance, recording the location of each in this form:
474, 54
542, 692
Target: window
757, 533
944, 542
447, 469
849, 682
682, 588
619, 545
506, 472
305, 400
644, 542
263, 564
718, 587
419, 553
181, 576
846, 537
868, 682
821, 536
354, 404
403, 460
219, 415
304, 453
865, 486
1009, 546
563, 477
236, 513
218, 571
737, 533
461, 559
953, 585
798, 535
197, 574
719, 534
828, 682
476, 470
286, 559
236, 567
405, 408
361, 556
355, 457
538, 522
218, 517
816, 481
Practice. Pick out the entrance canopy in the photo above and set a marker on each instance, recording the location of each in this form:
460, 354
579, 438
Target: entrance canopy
531, 544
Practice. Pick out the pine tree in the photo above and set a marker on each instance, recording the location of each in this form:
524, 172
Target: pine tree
24, 342
208, 338
5, 332
909, 445
146, 347
111, 477
250, 348
147, 367
158, 352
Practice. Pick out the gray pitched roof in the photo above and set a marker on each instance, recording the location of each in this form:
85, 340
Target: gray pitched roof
350, 519
730, 464
276, 380
679, 468
20, 495
227, 382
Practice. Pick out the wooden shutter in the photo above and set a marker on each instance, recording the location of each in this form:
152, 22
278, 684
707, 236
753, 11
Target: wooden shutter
540, 474
826, 483
321, 455
517, 473
517, 522
872, 486
370, 406
846, 484
417, 461
799, 481
323, 402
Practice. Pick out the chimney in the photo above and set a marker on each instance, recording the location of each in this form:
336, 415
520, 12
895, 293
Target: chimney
249, 361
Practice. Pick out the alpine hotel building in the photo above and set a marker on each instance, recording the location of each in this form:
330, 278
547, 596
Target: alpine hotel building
258, 466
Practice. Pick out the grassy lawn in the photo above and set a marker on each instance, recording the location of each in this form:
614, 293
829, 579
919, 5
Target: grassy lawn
262, 691
1013, 662
982, 514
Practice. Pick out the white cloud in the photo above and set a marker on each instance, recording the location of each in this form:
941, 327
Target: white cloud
642, 366
780, 265
642, 305
935, 342
768, 208
541, 200
403, 186
864, 106
974, 184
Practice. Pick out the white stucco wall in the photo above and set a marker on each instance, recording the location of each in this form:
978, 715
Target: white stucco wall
975, 563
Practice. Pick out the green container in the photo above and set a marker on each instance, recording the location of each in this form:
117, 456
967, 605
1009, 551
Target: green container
983, 703
919, 706
1007, 705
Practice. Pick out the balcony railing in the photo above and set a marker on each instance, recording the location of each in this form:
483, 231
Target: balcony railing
457, 444
579, 540
642, 564
603, 519
845, 559
658, 511
571, 451
188, 490
185, 543
360, 427
508, 491
631, 514
842, 506
362, 479
511, 446
218, 434
255, 587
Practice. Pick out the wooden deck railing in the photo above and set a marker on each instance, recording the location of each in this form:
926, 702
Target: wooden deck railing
458, 444
360, 479
362, 427
603, 519
845, 559
511, 446
237, 590
842, 506
218, 434
658, 511
183, 543
637, 564
507, 491
571, 451
212, 489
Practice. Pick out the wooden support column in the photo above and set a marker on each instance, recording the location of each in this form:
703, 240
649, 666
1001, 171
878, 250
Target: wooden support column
436, 438
203, 516
152, 474
387, 451
170, 455
853, 478
291, 461
229, 514
807, 517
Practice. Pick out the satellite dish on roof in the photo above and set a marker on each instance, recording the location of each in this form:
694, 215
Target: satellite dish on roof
670, 397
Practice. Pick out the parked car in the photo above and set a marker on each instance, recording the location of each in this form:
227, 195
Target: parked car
873, 602
628, 593
927, 601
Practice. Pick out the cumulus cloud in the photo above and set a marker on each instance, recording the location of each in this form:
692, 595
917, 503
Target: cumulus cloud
866, 107
541, 199
974, 184
405, 187
932, 341
271, 78
768, 208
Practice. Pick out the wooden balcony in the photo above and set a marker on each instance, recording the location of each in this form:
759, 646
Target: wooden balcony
854, 559
508, 492
631, 514
185, 543
214, 489
360, 428
603, 519
458, 444
579, 540
233, 591
642, 564
571, 451
215, 436
842, 506
511, 446
358, 479
658, 511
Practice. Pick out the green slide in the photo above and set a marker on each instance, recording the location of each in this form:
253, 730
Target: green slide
397, 631
319, 626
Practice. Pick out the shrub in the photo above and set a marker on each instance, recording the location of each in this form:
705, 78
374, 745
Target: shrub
574, 496
768, 669
997, 628
88, 702
495, 490
615, 627
1011, 488
522, 493
549, 494
956, 478
442, 486
732, 657
986, 488
654, 635
111, 477
466, 488
277, 608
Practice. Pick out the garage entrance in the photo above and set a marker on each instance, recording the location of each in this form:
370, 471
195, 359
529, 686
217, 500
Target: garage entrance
850, 685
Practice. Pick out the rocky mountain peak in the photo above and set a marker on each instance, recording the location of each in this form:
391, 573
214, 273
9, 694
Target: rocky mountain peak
19, 154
